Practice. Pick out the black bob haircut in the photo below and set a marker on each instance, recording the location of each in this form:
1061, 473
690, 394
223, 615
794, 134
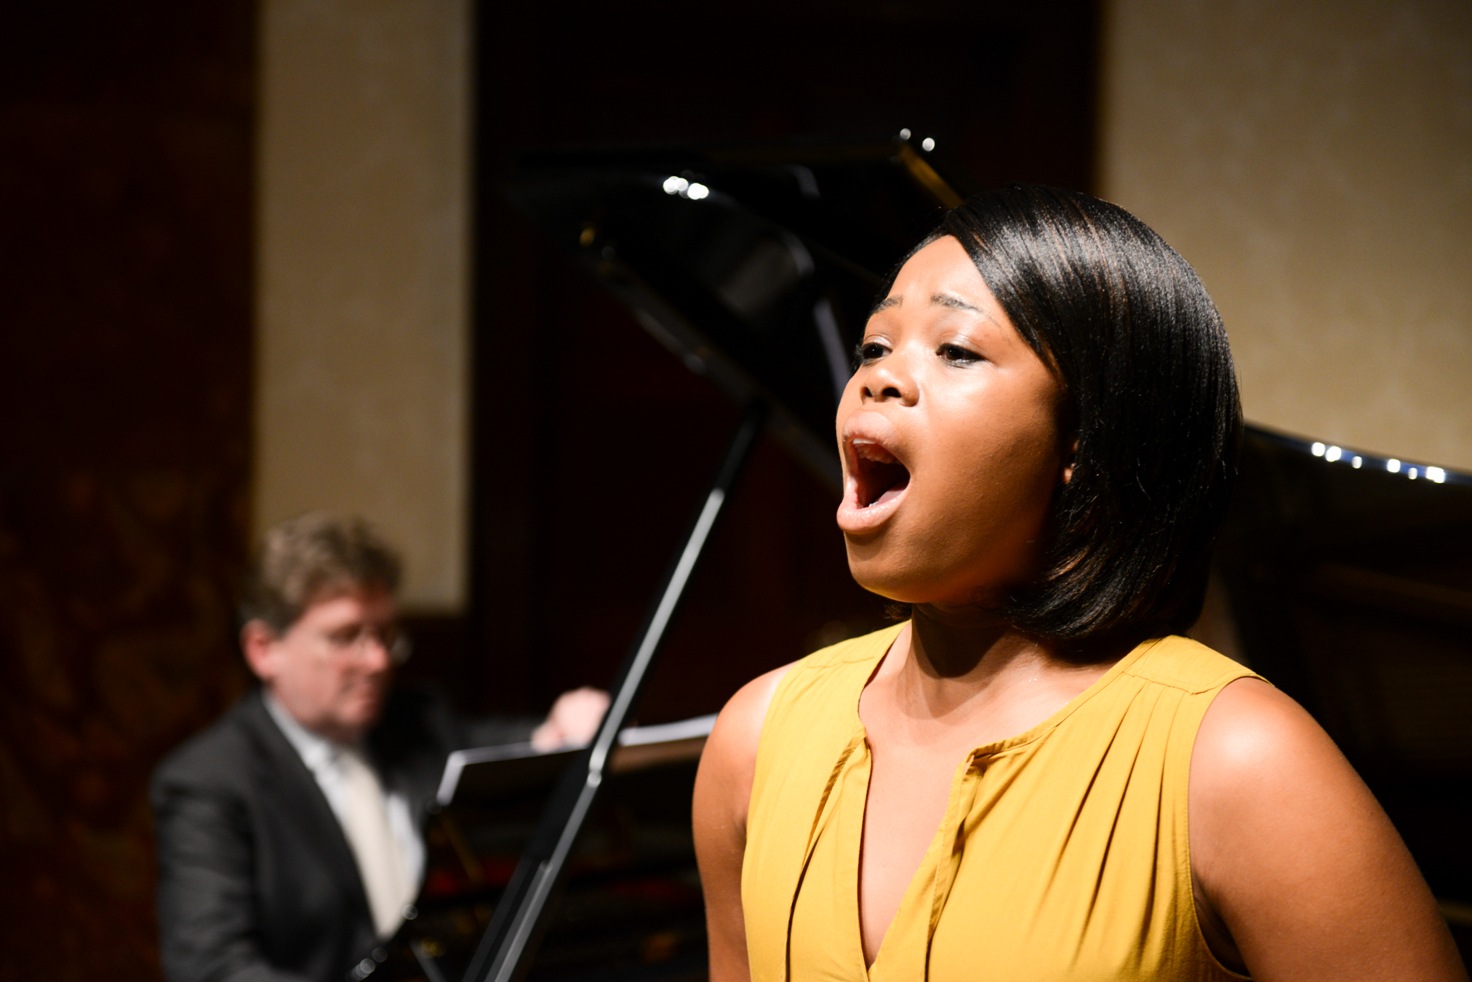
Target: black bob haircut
1149, 391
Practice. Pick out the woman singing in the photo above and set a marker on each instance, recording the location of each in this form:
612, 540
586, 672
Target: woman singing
1034, 776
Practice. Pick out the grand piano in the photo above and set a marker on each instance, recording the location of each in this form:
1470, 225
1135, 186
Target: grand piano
1342, 576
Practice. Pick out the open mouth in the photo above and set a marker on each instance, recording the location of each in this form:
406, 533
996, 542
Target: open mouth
878, 474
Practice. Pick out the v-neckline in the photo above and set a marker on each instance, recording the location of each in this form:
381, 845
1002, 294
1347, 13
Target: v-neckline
852, 845
923, 873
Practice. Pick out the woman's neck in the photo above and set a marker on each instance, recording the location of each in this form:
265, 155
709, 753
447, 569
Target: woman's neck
964, 643
957, 659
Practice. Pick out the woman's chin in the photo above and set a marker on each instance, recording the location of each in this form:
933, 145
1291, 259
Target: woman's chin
907, 586
882, 579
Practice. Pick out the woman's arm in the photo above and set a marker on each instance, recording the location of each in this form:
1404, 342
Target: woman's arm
722, 790
1299, 874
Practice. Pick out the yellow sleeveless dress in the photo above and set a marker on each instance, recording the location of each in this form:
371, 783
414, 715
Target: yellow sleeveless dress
1063, 853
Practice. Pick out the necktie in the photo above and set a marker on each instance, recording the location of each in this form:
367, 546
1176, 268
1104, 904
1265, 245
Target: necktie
380, 860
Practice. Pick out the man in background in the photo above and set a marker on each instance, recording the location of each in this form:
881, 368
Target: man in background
290, 833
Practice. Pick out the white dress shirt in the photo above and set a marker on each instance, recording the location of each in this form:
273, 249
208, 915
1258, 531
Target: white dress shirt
320, 755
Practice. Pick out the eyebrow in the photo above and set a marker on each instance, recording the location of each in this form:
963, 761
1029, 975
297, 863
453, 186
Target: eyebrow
938, 299
954, 302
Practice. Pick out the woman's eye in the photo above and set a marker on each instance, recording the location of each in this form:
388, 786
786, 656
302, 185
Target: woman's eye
958, 355
868, 351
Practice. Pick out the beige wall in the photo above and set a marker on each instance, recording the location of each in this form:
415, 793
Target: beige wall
362, 304
1314, 162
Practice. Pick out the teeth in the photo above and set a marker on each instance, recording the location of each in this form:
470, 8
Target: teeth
868, 450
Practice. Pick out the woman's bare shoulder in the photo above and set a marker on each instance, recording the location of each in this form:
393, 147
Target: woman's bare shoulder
1294, 857
738, 728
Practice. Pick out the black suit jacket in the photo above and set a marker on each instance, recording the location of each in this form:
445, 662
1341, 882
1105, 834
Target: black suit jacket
255, 878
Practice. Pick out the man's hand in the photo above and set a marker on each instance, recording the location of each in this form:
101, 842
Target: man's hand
573, 720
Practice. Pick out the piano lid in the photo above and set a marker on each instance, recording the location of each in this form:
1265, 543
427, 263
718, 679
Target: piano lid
1350, 589
756, 266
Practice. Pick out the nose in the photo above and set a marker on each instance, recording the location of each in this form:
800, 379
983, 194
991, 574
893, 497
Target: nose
885, 381
376, 654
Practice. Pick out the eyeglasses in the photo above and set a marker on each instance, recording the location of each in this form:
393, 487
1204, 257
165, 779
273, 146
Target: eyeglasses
355, 638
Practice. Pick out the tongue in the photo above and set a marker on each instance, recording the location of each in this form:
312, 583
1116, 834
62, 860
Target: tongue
893, 492
892, 477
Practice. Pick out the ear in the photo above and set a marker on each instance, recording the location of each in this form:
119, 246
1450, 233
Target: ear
257, 643
1068, 460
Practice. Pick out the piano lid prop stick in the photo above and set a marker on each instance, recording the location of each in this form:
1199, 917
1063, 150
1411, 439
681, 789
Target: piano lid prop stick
520, 919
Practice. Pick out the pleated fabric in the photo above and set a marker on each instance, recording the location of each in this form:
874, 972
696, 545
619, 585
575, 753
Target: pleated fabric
1063, 853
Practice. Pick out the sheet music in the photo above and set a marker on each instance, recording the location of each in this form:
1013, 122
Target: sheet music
635, 736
